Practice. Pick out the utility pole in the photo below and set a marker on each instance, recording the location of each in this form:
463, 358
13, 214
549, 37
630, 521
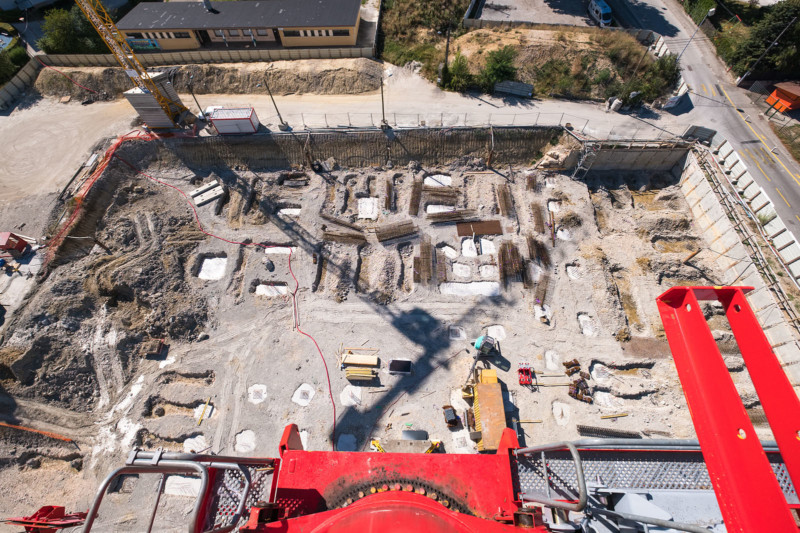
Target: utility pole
750, 70
710, 13
384, 124
283, 126
191, 90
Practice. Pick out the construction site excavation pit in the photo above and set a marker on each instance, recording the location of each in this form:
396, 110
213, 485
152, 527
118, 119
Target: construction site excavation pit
235, 290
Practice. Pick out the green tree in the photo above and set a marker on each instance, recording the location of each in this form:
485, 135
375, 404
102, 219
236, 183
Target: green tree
7, 68
459, 76
499, 67
785, 56
68, 32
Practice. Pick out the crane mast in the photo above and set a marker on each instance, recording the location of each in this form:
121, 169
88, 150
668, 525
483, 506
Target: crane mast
102, 22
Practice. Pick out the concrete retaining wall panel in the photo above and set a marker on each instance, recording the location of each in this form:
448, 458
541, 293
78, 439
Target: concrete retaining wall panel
788, 354
751, 191
790, 253
744, 181
782, 240
774, 226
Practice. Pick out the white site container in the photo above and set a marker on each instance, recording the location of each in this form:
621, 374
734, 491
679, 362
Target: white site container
231, 120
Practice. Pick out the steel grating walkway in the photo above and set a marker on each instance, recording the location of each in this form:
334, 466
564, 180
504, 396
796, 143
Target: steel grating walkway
643, 470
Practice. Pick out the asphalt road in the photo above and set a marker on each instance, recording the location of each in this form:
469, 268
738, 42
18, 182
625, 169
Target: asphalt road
715, 102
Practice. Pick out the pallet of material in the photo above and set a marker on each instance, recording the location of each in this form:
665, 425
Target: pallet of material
424, 267
209, 196
355, 359
360, 374
484, 227
537, 251
345, 237
540, 294
339, 221
512, 267
446, 195
504, 201
538, 218
416, 196
393, 231
204, 188
460, 215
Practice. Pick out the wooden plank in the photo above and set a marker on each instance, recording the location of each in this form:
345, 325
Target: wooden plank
203, 188
486, 227
359, 360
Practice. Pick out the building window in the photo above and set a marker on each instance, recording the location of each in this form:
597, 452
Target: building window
181, 34
247, 33
233, 33
262, 32
291, 33
341, 33
327, 33
135, 36
218, 33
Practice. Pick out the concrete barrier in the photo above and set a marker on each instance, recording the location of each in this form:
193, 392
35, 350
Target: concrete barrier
20, 83
735, 262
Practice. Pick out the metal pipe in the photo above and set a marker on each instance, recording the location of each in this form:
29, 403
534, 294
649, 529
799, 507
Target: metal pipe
650, 521
549, 502
158, 499
204, 458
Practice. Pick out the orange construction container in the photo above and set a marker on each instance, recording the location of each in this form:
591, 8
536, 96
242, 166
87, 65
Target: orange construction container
785, 97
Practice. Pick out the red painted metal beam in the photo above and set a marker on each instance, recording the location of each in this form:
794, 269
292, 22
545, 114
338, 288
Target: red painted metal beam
745, 485
388, 512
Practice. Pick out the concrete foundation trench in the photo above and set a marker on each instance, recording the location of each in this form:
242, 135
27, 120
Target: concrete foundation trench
403, 244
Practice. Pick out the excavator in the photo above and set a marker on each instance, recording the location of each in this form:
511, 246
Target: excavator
725, 480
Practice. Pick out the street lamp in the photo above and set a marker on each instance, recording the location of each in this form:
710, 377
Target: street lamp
709, 14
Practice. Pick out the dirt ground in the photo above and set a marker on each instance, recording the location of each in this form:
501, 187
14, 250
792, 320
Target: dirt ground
334, 76
73, 363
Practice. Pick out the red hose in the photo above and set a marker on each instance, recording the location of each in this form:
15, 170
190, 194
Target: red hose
296, 282
70, 79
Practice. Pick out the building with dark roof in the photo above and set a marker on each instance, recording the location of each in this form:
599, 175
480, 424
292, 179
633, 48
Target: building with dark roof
258, 23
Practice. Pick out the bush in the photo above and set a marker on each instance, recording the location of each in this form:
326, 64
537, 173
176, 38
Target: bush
460, 78
499, 67
18, 56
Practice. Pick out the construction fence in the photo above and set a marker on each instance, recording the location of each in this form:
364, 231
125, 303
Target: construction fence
579, 125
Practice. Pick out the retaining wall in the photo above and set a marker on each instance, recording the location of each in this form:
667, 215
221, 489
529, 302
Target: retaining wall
14, 88
359, 148
759, 203
734, 260
639, 156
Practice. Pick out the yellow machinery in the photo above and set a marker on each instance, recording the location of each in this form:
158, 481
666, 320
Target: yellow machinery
108, 31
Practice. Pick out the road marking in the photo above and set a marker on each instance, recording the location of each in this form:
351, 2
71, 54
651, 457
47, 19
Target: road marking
750, 154
713, 92
767, 156
756, 134
784, 199
797, 217
703, 85
762, 170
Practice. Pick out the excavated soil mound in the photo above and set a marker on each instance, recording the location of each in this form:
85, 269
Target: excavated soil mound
337, 76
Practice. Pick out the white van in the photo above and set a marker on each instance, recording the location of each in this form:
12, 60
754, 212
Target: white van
600, 13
